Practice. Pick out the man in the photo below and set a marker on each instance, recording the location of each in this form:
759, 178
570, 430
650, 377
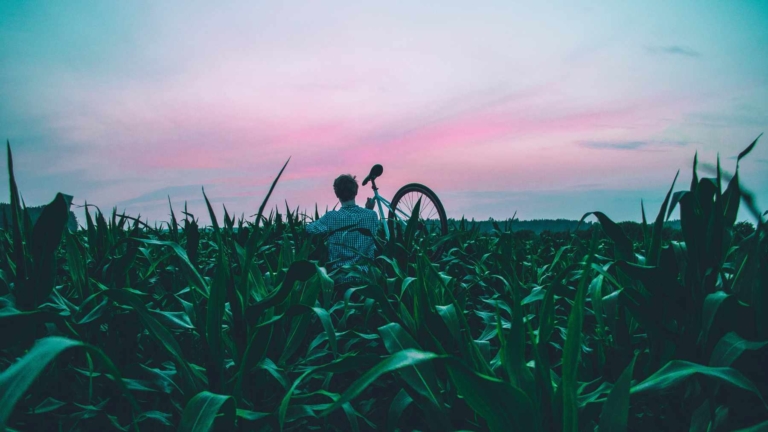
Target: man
345, 243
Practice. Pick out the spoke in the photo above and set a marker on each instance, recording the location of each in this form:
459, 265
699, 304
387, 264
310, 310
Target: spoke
409, 201
430, 204
429, 209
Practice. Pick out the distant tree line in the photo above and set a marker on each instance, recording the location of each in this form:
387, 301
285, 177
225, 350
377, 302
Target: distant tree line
560, 228
535, 225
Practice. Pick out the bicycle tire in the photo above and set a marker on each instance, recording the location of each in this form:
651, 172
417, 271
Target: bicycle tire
432, 196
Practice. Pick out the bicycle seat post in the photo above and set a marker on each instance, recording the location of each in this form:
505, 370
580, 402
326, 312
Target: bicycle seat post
373, 185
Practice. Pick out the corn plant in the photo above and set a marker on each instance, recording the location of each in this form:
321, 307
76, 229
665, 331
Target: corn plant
239, 326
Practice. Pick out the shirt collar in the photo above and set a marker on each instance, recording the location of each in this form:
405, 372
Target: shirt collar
350, 203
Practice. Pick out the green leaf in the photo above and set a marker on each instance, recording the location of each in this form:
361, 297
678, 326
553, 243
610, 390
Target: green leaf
194, 277
172, 320
255, 352
343, 364
46, 238
157, 416
299, 325
654, 252
504, 408
251, 415
572, 348
48, 405
191, 382
15, 380
616, 408
399, 404
512, 351
410, 228
677, 371
732, 198
19, 255
730, 347
271, 188
719, 304
252, 243
205, 409
174, 225
623, 244
747, 150
501, 405
77, 266
299, 271
213, 321
214, 222
422, 377
674, 201
396, 361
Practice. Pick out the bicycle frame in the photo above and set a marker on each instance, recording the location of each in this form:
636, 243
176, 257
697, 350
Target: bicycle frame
381, 200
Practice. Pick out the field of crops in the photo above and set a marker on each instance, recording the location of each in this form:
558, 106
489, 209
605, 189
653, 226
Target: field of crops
237, 326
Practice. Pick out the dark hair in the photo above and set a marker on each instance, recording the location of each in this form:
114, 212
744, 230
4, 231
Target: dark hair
345, 187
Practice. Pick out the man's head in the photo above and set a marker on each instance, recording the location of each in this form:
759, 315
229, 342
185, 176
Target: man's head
345, 187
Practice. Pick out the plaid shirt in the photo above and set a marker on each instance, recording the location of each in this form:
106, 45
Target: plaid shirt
342, 243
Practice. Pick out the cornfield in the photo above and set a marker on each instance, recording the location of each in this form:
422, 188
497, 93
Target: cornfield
237, 326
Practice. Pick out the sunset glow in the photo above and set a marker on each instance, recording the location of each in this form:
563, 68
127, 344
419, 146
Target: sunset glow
547, 111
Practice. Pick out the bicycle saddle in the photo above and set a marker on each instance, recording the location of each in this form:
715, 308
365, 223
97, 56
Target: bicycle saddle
375, 172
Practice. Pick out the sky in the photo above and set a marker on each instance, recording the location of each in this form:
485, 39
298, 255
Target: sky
543, 109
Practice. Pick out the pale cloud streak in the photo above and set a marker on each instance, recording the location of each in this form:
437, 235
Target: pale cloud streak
674, 50
150, 100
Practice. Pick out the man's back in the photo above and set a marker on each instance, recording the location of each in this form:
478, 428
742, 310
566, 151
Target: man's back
345, 245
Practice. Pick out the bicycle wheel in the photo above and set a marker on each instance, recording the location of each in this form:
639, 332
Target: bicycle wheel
432, 216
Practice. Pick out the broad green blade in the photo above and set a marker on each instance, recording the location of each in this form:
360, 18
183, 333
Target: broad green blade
622, 243
615, 413
15, 380
421, 378
46, 238
399, 404
201, 413
747, 150
212, 215
214, 320
504, 408
396, 361
572, 348
191, 382
194, 277
299, 271
730, 347
300, 324
677, 371
347, 363
652, 257
19, 256
266, 198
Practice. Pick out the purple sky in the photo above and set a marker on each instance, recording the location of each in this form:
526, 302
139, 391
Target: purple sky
548, 110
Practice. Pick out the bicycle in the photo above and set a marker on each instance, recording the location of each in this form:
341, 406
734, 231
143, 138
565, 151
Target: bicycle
431, 218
